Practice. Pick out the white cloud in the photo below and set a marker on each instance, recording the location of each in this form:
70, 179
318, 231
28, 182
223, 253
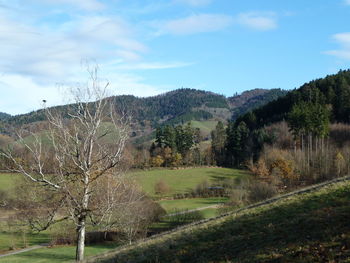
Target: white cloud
88, 5
194, 2
262, 21
134, 85
44, 53
20, 94
343, 40
196, 24
347, 2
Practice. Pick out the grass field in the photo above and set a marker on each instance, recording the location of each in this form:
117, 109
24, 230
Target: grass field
188, 204
54, 255
180, 181
8, 181
311, 227
17, 240
205, 126
183, 180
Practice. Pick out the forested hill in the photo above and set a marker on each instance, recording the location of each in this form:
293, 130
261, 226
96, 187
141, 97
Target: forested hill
4, 116
332, 92
177, 106
253, 99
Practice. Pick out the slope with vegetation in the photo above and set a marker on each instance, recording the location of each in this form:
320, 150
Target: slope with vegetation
301, 138
175, 107
309, 226
4, 116
333, 90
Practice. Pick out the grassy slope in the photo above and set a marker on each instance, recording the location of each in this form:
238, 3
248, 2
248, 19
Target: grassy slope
310, 227
54, 255
205, 126
181, 181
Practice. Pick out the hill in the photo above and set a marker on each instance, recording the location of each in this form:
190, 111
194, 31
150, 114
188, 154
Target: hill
176, 106
4, 116
333, 91
310, 225
171, 108
250, 100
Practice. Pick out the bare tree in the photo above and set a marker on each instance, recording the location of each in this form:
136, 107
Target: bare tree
86, 143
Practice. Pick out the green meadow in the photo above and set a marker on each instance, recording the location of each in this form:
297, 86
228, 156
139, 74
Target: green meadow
183, 180
179, 181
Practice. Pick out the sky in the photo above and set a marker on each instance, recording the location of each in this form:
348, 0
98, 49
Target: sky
149, 47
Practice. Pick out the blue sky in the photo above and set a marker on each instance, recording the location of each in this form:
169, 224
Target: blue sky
148, 47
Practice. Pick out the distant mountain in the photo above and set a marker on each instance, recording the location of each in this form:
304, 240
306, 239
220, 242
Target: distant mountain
177, 106
174, 107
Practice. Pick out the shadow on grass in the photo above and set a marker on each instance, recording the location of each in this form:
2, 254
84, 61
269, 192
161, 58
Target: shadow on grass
310, 230
50, 255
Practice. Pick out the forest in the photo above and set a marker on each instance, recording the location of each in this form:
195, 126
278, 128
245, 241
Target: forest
300, 138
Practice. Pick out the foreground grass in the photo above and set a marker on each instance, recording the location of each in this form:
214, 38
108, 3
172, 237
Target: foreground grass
55, 254
17, 240
184, 180
307, 228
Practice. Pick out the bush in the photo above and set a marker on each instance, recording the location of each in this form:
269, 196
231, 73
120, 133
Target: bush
204, 189
259, 169
63, 236
238, 197
161, 188
259, 191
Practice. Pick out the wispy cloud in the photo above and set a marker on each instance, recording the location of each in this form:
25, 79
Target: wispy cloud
45, 53
88, 5
195, 3
343, 40
196, 24
347, 2
262, 21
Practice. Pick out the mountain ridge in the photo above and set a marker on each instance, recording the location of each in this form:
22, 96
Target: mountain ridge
173, 107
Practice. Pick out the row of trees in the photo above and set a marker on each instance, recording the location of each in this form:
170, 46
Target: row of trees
174, 145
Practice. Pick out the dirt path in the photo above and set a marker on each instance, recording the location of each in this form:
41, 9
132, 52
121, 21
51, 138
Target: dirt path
23, 250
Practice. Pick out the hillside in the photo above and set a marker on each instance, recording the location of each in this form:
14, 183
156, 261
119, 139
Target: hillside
333, 92
311, 225
250, 100
4, 116
171, 108
178, 106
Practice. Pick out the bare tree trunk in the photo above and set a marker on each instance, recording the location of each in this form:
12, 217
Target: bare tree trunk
82, 222
81, 239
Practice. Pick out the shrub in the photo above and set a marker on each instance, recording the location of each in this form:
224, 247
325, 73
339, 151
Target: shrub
238, 197
161, 188
63, 236
156, 161
259, 191
259, 169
